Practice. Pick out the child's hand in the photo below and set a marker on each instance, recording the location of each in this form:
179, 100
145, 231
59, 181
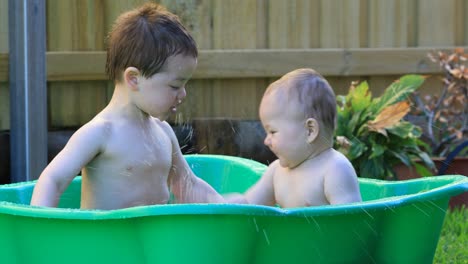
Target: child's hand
235, 198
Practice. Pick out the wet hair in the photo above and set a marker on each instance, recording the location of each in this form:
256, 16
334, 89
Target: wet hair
312, 92
145, 38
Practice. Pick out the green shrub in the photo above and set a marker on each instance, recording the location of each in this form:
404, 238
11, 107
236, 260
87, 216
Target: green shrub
371, 132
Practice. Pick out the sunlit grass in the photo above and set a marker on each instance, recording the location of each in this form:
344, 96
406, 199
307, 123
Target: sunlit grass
453, 242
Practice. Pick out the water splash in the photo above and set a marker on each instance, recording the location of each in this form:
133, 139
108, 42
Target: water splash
436, 206
319, 229
365, 211
266, 237
371, 228
256, 225
364, 245
421, 210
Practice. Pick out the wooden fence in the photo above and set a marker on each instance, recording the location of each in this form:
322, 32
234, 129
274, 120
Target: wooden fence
245, 44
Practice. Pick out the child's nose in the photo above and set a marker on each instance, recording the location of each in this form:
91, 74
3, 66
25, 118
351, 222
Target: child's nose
182, 93
267, 141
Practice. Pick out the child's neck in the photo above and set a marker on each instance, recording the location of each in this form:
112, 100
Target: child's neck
320, 145
121, 103
315, 156
319, 152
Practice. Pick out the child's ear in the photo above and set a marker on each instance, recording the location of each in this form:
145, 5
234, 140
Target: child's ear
313, 129
131, 75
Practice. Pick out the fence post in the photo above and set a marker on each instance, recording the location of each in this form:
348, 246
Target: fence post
28, 89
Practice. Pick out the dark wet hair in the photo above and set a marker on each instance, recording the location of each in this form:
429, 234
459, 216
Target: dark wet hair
144, 38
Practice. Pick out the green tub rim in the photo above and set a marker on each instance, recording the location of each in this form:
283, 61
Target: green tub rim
456, 184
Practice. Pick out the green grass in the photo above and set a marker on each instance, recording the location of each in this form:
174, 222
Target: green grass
453, 241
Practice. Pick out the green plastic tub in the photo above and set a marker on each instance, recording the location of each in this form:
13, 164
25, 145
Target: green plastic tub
397, 222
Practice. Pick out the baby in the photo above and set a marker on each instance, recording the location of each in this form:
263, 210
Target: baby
128, 154
298, 113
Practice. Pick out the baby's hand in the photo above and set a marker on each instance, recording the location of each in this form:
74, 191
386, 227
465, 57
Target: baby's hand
235, 198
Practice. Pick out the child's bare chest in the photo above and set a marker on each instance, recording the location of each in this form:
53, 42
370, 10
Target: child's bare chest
141, 150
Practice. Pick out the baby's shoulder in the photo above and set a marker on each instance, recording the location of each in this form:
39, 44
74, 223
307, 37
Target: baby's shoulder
274, 166
339, 165
335, 157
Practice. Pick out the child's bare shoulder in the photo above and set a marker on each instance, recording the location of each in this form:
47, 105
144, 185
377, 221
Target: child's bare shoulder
166, 127
340, 166
97, 129
163, 124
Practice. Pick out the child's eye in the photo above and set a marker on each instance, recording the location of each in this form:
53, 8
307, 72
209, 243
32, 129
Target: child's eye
174, 87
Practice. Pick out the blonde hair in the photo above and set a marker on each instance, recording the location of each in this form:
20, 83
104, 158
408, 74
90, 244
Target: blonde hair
312, 93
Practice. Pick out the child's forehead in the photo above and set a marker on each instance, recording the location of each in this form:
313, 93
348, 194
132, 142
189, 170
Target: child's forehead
281, 95
276, 105
180, 67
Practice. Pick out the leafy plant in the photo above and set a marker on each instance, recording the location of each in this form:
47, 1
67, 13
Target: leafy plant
371, 132
446, 113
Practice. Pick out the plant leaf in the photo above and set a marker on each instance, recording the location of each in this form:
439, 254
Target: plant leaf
389, 117
398, 91
356, 149
377, 150
360, 97
372, 168
402, 129
422, 170
402, 157
355, 121
426, 159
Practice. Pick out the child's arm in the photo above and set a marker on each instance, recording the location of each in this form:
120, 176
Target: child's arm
341, 184
185, 185
83, 146
261, 193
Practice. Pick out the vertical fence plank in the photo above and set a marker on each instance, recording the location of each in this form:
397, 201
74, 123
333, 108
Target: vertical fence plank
4, 91
262, 24
4, 106
3, 26
340, 24
294, 24
436, 27
341, 85
436, 23
388, 24
412, 10
235, 98
197, 18
364, 24
75, 25
460, 18
464, 24
63, 96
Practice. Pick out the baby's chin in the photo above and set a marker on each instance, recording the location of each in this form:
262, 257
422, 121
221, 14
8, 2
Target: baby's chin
162, 116
288, 164
283, 163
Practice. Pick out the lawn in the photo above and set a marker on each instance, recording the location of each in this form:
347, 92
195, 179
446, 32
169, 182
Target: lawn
453, 242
